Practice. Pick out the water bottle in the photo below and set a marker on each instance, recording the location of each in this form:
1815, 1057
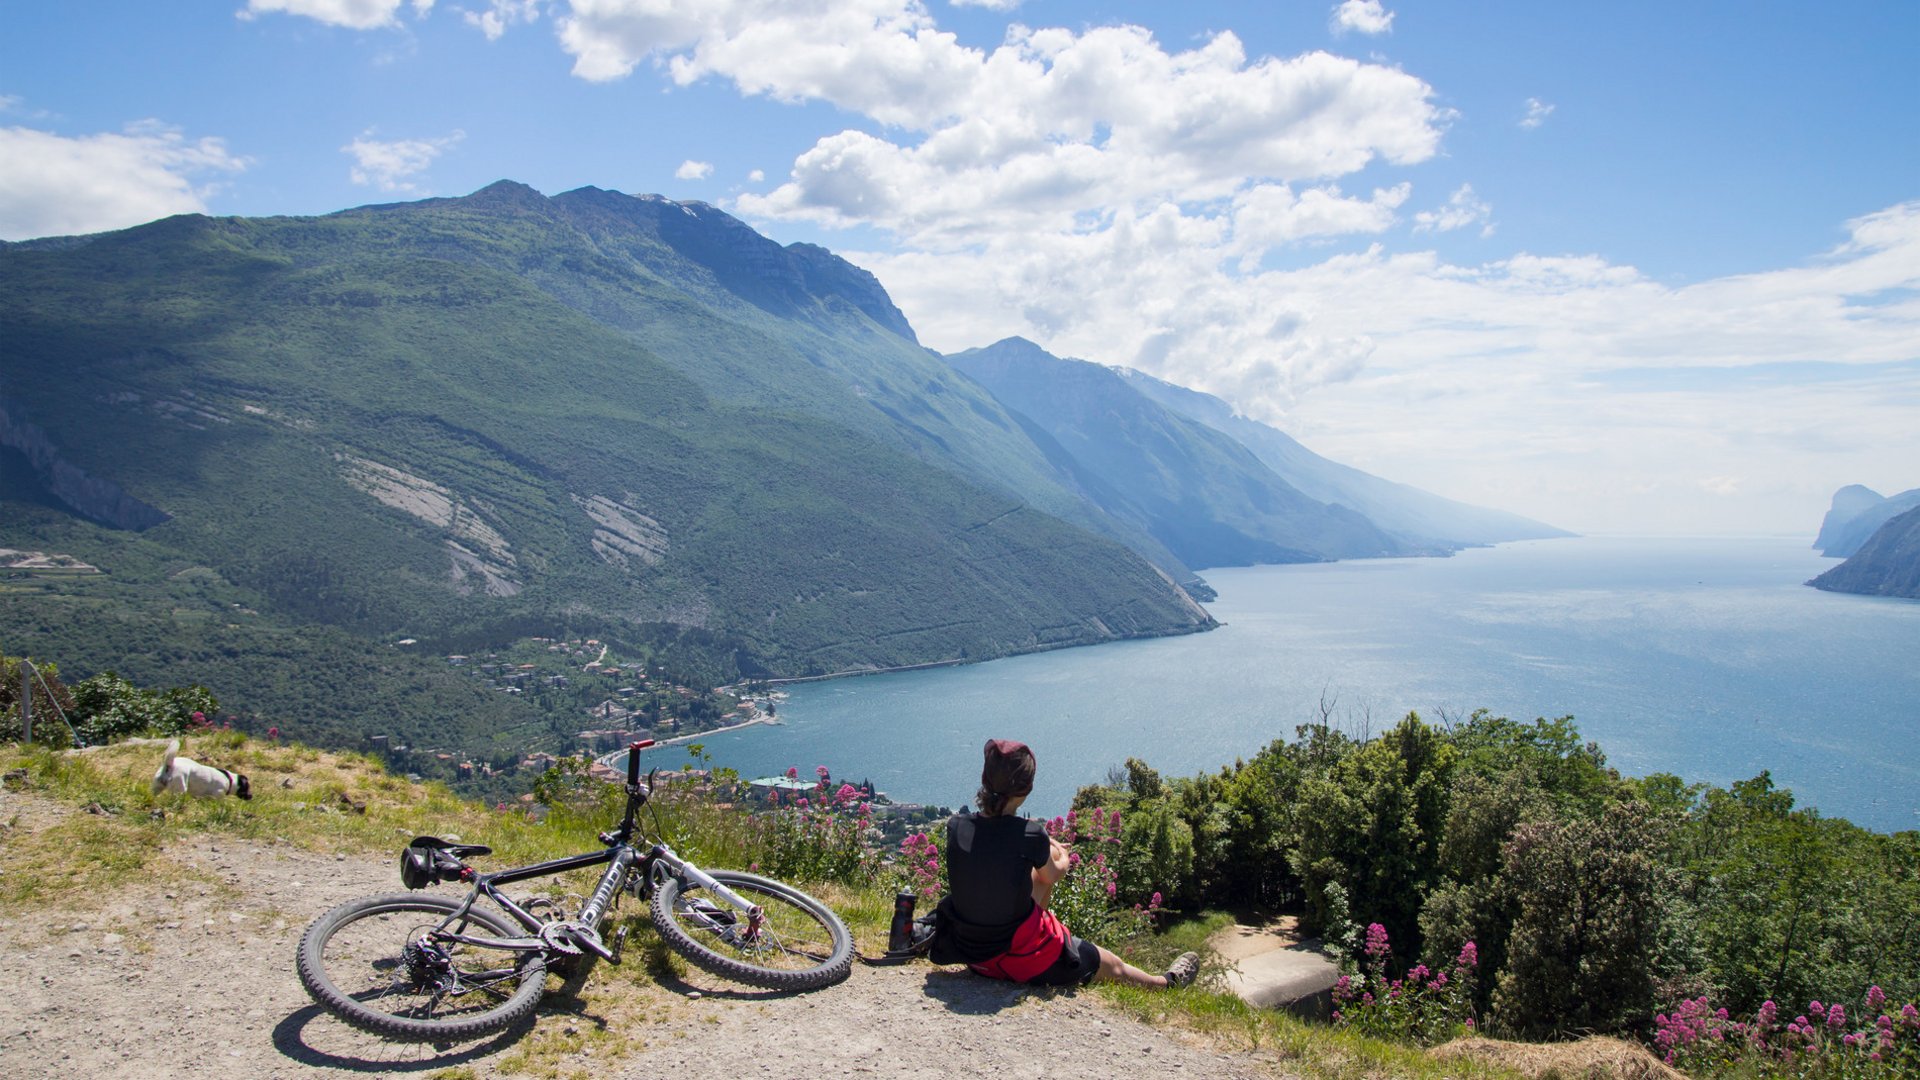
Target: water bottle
900, 934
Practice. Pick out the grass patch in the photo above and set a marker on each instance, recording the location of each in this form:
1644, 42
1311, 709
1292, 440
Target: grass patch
1302, 1046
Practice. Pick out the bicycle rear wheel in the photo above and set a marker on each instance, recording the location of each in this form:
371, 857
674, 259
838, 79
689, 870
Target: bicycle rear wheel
799, 944
375, 964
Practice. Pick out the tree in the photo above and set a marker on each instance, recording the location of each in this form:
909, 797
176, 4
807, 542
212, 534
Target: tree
1589, 896
1373, 823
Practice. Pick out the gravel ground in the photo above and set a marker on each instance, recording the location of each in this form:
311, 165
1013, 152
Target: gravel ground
192, 975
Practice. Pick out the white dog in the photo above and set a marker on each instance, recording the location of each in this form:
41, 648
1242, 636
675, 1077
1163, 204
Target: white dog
185, 776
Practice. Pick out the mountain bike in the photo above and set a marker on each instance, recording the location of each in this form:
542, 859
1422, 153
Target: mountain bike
428, 968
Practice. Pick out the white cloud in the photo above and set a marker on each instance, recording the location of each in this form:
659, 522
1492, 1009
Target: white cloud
990, 5
53, 185
1269, 215
501, 14
693, 170
1537, 113
1054, 126
1362, 16
352, 14
1463, 208
757, 176
391, 165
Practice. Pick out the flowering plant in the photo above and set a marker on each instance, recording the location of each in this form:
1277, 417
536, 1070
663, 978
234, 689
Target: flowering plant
816, 836
924, 868
1424, 1006
1820, 1042
1087, 899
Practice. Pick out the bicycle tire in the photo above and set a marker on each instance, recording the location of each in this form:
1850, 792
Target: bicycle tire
352, 961
801, 945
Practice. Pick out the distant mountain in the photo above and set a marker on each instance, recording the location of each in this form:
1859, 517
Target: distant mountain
1203, 495
1856, 514
1217, 488
1420, 518
465, 420
1888, 564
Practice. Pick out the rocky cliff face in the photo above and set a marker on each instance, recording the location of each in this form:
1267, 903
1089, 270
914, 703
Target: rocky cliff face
58, 480
1888, 564
1856, 514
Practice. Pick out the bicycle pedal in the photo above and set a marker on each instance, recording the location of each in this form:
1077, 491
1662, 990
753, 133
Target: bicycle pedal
619, 944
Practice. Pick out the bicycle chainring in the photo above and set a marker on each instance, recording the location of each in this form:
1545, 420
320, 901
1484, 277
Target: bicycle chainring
558, 936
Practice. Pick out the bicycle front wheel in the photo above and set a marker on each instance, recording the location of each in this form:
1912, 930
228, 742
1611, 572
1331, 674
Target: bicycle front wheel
798, 944
379, 965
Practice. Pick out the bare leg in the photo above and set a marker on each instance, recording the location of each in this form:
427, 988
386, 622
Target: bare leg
1117, 970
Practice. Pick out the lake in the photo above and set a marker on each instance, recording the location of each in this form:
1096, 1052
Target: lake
1706, 658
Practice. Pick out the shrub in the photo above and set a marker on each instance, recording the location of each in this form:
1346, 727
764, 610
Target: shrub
1821, 1042
1584, 952
1423, 1006
1088, 900
818, 836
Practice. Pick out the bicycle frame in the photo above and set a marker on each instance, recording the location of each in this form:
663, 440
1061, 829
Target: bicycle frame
625, 859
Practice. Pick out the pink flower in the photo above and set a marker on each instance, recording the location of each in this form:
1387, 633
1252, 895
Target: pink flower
1155, 901
847, 793
1111, 887
820, 771
1469, 956
1876, 997
1419, 972
1376, 940
1837, 1017
1469, 1023
1816, 1008
793, 772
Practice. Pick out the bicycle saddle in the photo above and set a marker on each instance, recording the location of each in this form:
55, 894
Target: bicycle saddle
458, 851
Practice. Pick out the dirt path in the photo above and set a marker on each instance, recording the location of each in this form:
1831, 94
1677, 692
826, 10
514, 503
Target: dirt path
195, 978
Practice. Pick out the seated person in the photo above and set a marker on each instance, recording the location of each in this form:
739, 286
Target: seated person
1001, 871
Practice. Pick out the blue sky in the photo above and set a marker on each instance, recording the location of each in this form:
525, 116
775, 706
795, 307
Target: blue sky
1624, 267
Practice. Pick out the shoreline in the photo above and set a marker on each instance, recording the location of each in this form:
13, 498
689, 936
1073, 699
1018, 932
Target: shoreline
854, 673
682, 740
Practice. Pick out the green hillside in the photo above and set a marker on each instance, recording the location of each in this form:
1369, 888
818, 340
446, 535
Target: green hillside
292, 441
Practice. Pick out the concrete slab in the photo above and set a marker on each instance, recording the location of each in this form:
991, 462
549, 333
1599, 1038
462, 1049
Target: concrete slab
1273, 968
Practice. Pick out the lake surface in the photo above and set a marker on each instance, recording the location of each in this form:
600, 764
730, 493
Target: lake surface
1706, 658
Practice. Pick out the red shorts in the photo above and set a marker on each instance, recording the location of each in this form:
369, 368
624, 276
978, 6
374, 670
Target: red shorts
1036, 945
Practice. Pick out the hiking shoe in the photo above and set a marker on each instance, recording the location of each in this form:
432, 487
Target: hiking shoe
1183, 970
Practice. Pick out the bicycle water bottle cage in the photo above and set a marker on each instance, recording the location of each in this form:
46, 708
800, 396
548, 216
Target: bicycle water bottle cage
430, 859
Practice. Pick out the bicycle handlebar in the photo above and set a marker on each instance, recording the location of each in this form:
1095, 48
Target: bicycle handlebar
633, 760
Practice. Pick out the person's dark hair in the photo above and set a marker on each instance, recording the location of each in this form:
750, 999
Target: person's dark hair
1006, 774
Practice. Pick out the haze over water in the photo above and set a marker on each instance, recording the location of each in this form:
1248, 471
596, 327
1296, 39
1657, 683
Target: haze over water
1706, 658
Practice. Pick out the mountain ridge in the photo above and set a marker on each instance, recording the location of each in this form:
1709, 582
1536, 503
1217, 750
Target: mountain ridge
394, 420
